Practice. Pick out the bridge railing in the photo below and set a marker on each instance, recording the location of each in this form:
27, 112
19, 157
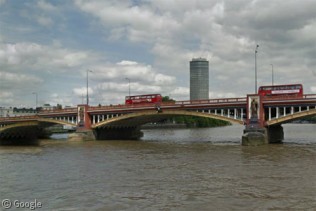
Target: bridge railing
20, 118
309, 96
210, 101
152, 105
128, 106
284, 97
65, 110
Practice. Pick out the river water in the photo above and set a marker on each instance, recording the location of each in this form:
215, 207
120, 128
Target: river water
169, 169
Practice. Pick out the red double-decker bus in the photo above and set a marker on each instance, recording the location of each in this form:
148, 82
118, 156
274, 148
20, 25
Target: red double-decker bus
138, 99
291, 90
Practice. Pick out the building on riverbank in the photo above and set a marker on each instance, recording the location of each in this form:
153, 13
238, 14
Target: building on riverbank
199, 79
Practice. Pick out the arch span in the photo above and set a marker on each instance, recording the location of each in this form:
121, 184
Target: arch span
54, 121
291, 117
140, 118
17, 125
42, 122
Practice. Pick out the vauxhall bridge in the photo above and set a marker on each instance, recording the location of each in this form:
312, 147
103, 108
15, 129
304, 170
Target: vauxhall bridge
263, 120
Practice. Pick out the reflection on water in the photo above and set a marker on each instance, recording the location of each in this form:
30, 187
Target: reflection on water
183, 169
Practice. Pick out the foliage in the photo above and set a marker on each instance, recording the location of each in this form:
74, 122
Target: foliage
191, 121
311, 119
167, 99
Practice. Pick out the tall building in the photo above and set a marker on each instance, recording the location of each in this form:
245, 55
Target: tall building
199, 79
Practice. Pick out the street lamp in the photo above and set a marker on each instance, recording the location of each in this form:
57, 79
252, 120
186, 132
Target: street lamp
272, 75
129, 86
36, 98
256, 51
88, 85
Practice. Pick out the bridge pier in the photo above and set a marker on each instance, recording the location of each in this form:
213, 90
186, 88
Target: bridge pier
254, 137
275, 134
82, 135
260, 136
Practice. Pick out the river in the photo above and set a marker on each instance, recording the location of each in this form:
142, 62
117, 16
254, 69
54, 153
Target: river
169, 169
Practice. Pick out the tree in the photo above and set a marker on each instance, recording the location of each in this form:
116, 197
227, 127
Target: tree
167, 99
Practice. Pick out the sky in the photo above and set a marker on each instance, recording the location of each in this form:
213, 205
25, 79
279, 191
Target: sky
47, 48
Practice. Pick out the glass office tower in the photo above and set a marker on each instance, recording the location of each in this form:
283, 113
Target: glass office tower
199, 79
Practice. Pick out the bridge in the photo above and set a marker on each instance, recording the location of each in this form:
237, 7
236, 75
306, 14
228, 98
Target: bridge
263, 115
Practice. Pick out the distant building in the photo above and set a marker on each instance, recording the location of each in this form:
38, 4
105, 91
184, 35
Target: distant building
199, 79
12, 112
6, 112
48, 107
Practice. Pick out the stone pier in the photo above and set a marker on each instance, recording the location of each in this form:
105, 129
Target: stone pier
261, 136
82, 135
275, 134
254, 137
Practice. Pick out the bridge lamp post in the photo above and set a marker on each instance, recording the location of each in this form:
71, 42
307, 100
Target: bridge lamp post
256, 51
272, 75
88, 85
129, 86
36, 98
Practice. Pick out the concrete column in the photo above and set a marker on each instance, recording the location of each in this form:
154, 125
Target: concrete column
84, 119
275, 134
254, 137
242, 114
93, 119
235, 113
284, 111
228, 113
292, 110
277, 112
300, 109
269, 113
222, 112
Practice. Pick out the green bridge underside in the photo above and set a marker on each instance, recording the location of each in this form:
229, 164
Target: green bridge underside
291, 117
140, 118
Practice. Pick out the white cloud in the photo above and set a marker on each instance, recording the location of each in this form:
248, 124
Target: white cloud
44, 21
16, 79
82, 91
46, 6
40, 57
151, 43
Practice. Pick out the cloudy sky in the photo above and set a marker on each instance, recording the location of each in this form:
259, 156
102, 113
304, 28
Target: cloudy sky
47, 47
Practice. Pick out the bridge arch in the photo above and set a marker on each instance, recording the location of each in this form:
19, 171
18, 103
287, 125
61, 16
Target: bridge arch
291, 117
36, 123
140, 118
54, 121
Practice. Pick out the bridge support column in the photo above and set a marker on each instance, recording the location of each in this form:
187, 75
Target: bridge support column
275, 134
254, 134
255, 137
82, 135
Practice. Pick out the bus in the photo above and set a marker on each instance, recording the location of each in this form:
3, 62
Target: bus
287, 90
139, 99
